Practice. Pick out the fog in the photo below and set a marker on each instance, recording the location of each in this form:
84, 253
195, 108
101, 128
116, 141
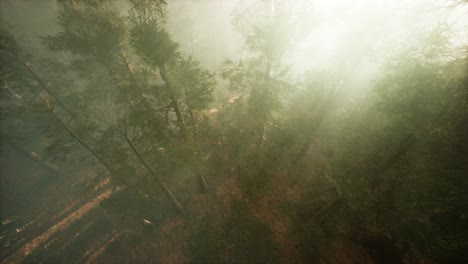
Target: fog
323, 34
233, 131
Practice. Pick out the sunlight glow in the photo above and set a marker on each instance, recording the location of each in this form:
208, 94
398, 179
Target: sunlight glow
332, 30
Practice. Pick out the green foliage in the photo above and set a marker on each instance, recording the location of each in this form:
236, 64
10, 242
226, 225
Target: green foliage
154, 45
10, 52
147, 34
398, 182
146, 11
114, 91
198, 84
89, 29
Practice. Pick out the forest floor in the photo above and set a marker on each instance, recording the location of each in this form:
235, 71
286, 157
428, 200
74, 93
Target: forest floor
63, 222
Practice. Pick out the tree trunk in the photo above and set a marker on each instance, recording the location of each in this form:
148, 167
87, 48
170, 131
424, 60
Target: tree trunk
163, 186
174, 103
134, 80
34, 156
72, 133
189, 109
75, 7
202, 183
44, 86
260, 138
180, 116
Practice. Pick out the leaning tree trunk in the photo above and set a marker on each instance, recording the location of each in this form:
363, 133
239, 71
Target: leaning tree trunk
70, 131
83, 143
43, 85
107, 165
134, 80
107, 65
202, 183
161, 184
34, 156
174, 102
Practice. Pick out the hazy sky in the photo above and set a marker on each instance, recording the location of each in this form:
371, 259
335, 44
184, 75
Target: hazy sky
327, 33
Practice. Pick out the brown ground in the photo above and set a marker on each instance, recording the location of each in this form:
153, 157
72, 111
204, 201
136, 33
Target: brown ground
169, 246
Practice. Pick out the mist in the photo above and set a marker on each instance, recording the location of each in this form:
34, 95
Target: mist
233, 131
